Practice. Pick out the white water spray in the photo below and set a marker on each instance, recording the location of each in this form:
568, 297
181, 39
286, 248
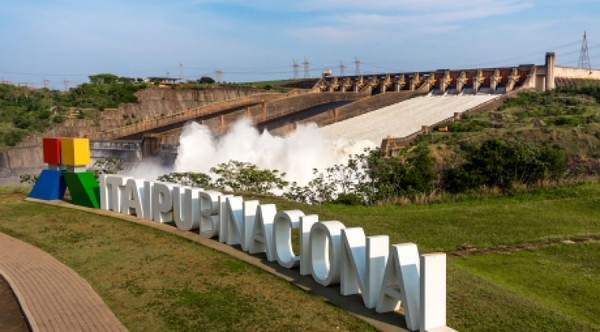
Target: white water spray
296, 155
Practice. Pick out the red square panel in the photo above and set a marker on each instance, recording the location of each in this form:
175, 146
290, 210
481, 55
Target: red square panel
52, 150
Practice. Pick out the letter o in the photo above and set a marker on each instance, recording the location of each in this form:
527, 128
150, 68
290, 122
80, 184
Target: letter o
325, 250
283, 224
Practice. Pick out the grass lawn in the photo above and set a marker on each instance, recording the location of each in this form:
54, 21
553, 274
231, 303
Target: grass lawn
561, 281
156, 281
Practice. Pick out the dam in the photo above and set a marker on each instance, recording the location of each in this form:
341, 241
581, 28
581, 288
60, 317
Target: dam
369, 107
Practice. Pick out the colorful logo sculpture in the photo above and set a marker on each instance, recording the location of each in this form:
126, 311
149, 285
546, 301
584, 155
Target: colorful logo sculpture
67, 159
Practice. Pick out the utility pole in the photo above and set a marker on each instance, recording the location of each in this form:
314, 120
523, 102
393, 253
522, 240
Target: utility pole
306, 68
357, 66
584, 56
296, 67
342, 69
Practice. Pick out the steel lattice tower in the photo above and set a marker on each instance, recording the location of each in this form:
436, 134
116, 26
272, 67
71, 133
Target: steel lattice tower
306, 68
342, 69
584, 56
296, 67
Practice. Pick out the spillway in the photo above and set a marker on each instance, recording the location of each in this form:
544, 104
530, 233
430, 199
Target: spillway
404, 118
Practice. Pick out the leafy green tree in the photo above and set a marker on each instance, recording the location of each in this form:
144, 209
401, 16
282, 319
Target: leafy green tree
192, 179
206, 80
243, 176
104, 79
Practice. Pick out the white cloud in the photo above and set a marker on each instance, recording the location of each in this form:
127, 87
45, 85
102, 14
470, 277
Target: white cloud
340, 20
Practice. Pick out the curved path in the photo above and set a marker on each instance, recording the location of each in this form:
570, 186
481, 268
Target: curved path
52, 296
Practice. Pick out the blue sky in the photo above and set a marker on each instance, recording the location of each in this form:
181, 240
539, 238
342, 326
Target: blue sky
58, 40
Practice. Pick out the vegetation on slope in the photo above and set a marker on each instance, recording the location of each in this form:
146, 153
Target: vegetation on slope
25, 111
567, 119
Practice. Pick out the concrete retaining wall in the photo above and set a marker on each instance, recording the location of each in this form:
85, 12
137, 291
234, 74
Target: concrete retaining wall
277, 109
576, 73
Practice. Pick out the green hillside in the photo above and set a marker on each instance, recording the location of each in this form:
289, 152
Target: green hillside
25, 111
567, 118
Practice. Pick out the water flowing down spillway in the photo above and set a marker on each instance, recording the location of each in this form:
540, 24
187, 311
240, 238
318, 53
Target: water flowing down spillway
402, 119
308, 147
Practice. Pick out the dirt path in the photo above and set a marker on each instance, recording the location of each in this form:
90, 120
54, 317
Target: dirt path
11, 317
469, 250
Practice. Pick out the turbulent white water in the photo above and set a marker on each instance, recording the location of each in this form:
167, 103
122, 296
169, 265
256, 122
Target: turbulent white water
296, 155
308, 147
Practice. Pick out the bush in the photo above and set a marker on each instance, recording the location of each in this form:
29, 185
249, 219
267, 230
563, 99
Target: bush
501, 164
349, 199
564, 121
369, 177
107, 166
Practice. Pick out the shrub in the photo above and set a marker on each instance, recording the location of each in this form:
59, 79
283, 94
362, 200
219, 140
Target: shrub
501, 164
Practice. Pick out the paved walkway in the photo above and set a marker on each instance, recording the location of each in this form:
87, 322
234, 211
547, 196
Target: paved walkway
52, 296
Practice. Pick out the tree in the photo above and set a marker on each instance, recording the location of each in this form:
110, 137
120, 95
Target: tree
206, 80
244, 176
102, 79
192, 179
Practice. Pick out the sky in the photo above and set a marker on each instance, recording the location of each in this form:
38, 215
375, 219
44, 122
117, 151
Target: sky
60, 43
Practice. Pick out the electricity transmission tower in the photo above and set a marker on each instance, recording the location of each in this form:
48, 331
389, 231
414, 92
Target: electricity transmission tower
181, 72
306, 68
296, 69
357, 66
584, 56
219, 76
342, 69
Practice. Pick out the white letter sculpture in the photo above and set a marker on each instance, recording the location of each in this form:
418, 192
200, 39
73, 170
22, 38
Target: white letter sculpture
325, 243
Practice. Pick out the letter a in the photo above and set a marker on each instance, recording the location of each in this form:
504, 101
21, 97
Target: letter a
401, 284
262, 235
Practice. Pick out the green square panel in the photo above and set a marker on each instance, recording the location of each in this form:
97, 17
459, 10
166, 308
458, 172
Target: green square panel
84, 189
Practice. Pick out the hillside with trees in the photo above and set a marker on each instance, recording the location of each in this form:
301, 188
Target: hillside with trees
25, 111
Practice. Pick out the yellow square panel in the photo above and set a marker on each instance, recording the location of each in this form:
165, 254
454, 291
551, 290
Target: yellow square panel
75, 151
